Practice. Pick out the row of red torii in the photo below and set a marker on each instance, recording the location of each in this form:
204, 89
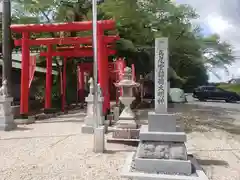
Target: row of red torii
76, 50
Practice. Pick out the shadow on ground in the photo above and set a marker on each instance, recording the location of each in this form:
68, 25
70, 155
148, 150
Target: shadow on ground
50, 121
39, 137
209, 162
22, 129
203, 119
117, 151
72, 117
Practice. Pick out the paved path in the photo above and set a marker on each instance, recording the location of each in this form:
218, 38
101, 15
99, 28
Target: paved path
55, 149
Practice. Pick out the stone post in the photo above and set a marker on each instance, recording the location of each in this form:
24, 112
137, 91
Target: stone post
89, 120
6, 44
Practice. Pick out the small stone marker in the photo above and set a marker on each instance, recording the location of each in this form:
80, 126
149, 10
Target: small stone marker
89, 120
99, 139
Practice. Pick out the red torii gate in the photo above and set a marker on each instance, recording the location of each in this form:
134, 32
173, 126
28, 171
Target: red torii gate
67, 53
26, 42
115, 70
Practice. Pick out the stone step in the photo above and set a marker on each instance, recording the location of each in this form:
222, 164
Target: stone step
146, 135
171, 166
129, 172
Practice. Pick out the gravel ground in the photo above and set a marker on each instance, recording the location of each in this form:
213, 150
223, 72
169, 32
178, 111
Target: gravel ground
214, 138
55, 149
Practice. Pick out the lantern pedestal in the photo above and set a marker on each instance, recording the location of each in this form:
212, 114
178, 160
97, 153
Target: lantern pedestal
6, 117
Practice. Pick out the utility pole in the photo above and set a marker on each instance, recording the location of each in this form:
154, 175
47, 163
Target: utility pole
95, 59
6, 121
99, 142
6, 44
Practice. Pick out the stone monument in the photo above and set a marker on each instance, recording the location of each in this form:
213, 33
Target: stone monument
89, 120
126, 127
162, 153
6, 117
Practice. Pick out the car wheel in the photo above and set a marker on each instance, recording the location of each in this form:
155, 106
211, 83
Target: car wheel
201, 99
231, 99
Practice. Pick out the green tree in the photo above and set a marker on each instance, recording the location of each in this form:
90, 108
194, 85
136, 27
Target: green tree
48, 11
138, 24
216, 54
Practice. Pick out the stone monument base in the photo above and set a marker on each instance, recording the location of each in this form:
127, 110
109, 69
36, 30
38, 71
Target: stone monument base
177, 136
120, 133
162, 122
129, 171
125, 136
162, 157
126, 124
6, 118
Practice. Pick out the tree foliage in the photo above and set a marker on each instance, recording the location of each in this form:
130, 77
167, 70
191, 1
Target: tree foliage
215, 52
138, 24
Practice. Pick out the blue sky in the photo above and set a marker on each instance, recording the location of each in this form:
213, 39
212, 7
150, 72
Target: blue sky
205, 29
222, 17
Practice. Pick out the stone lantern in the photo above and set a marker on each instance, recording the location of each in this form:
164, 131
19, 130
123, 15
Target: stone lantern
126, 122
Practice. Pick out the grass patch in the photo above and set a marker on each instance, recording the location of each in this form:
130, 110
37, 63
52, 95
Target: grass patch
231, 87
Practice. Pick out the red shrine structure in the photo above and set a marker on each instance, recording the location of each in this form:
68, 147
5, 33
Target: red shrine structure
76, 49
115, 71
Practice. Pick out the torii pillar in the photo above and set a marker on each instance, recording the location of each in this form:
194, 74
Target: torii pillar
25, 73
48, 90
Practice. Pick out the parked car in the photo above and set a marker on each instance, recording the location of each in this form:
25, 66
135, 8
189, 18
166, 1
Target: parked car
204, 93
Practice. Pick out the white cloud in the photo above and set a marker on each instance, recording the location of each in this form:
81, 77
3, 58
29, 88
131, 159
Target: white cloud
222, 17
218, 24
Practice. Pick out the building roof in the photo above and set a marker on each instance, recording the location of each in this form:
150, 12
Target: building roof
16, 63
